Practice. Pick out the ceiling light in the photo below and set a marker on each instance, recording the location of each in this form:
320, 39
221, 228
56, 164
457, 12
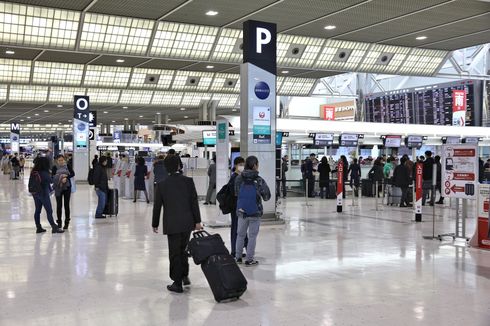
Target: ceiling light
9, 52
36, 114
125, 107
59, 105
141, 116
59, 123
46, 111
234, 110
169, 119
113, 121
126, 119
69, 120
158, 113
211, 13
182, 109
209, 67
330, 27
120, 60
105, 112
420, 38
186, 116
28, 117
21, 120
285, 72
153, 122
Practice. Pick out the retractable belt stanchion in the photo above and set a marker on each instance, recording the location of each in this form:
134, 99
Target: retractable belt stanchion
306, 193
376, 194
434, 183
418, 192
340, 186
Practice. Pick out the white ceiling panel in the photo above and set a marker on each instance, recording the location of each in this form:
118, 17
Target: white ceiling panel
136, 97
107, 76
307, 58
17, 71
167, 98
226, 47
193, 99
182, 77
220, 83
64, 94
103, 96
332, 48
57, 73
422, 62
139, 78
28, 93
296, 86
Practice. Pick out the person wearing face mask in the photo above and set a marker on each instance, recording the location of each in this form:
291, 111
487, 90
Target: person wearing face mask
239, 166
62, 174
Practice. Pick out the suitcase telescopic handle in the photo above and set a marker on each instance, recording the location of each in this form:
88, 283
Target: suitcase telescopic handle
200, 234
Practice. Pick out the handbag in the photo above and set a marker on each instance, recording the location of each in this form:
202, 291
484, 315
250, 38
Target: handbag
73, 185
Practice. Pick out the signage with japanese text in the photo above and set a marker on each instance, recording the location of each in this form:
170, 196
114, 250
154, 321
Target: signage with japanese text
460, 171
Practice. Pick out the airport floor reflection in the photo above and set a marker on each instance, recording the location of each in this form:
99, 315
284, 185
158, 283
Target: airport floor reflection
361, 267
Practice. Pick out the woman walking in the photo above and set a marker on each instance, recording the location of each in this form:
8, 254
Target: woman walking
40, 188
139, 179
62, 174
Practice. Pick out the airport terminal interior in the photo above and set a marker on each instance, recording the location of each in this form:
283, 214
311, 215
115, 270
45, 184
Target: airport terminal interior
315, 162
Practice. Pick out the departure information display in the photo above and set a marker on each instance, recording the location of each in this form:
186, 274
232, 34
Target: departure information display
425, 105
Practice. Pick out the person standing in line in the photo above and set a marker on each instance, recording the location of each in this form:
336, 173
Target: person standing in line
95, 161
402, 179
140, 173
309, 169
345, 174
212, 182
14, 162
159, 170
62, 173
177, 196
22, 163
239, 166
355, 176
437, 162
40, 188
101, 186
250, 189
376, 175
324, 170
427, 175
284, 169
109, 165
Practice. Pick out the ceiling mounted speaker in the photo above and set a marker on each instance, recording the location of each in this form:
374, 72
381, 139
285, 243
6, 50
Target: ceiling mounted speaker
192, 81
238, 47
230, 83
384, 58
295, 50
342, 55
152, 79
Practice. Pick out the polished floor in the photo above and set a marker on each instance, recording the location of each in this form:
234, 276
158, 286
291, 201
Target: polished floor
361, 267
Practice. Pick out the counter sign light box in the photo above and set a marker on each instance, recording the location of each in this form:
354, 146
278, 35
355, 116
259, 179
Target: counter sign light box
414, 141
323, 139
209, 137
348, 140
392, 141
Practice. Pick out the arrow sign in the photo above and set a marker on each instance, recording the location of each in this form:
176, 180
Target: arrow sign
456, 189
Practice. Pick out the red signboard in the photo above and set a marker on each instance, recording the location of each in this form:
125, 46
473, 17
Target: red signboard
328, 112
459, 107
418, 192
340, 185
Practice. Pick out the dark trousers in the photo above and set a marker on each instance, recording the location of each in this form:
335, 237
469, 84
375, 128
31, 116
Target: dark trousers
284, 189
311, 186
63, 197
179, 264
404, 198
40, 201
234, 233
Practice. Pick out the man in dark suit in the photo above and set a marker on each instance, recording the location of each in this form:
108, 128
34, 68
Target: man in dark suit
178, 197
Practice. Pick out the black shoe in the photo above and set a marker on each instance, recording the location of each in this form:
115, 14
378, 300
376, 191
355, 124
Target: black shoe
101, 216
65, 227
186, 281
147, 201
251, 263
134, 201
57, 230
440, 202
59, 223
175, 288
239, 261
402, 205
244, 255
40, 230
206, 203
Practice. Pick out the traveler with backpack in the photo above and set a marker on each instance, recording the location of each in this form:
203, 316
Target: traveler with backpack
40, 189
101, 186
62, 174
178, 196
250, 189
228, 201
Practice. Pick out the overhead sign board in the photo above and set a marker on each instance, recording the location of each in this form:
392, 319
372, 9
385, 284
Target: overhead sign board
414, 141
209, 137
459, 107
259, 41
460, 171
81, 121
323, 139
392, 141
14, 137
348, 140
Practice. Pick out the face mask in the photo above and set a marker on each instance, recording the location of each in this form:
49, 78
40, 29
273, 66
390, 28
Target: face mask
240, 168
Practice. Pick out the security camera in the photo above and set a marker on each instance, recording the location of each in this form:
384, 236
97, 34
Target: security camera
295, 51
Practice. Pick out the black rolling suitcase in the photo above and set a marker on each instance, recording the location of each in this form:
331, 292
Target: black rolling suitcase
332, 189
367, 188
112, 205
221, 270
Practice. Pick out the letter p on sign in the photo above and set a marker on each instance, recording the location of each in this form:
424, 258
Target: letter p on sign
263, 37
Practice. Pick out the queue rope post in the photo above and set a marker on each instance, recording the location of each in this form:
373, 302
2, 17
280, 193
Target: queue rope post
433, 196
376, 194
418, 192
340, 186
306, 193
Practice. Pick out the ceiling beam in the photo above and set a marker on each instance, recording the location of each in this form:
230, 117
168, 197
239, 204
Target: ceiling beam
457, 37
394, 18
253, 13
31, 74
433, 27
175, 10
327, 15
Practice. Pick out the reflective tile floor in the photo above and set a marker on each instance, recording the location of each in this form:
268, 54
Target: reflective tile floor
361, 267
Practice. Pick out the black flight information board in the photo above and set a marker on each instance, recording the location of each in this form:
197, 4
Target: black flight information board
431, 105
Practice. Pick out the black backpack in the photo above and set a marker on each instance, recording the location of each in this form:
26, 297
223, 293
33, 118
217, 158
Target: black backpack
90, 177
225, 199
34, 185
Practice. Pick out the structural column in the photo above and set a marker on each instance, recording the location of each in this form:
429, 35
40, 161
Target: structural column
258, 102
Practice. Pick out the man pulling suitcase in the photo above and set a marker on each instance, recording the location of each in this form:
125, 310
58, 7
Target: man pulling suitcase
178, 196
